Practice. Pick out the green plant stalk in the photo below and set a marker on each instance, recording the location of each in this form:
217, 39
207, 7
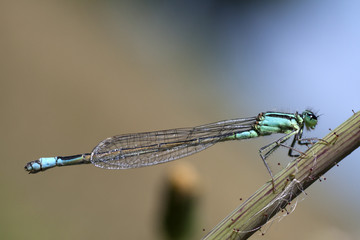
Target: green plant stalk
290, 182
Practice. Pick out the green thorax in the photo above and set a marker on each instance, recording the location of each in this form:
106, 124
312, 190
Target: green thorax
275, 122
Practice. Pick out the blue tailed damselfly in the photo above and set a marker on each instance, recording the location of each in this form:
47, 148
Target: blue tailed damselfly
150, 148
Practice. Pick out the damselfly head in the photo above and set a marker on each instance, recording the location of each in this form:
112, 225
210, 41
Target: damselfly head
310, 119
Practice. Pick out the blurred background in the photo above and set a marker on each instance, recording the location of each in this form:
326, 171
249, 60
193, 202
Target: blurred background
74, 73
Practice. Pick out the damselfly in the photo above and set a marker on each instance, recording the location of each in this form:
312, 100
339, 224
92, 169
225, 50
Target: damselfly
150, 148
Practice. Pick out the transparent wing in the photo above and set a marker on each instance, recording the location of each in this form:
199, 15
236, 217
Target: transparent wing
149, 148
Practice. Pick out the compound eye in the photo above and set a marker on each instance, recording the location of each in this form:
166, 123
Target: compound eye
313, 116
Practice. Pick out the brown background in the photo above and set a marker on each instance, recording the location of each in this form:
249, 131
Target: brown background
66, 84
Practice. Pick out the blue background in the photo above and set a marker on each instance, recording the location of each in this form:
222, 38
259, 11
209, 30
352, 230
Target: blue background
75, 73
